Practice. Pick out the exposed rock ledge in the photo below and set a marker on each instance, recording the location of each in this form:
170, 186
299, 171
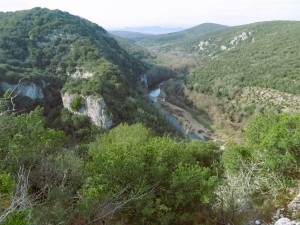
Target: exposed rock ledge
93, 107
286, 221
81, 73
28, 89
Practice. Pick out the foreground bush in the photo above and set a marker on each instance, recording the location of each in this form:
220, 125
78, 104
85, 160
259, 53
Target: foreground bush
152, 180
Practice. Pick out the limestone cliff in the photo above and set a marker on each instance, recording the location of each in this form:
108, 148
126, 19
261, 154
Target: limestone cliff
93, 107
28, 89
81, 73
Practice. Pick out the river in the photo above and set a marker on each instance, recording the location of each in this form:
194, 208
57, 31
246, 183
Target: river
154, 94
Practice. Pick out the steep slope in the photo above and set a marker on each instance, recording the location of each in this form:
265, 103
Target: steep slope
172, 38
65, 55
265, 55
55, 41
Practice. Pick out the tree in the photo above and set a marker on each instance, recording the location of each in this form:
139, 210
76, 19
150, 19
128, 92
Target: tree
159, 180
275, 141
262, 170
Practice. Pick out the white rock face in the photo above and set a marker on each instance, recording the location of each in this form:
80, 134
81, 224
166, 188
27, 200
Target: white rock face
286, 221
203, 44
94, 107
283, 221
294, 206
242, 37
223, 48
81, 74
28, 89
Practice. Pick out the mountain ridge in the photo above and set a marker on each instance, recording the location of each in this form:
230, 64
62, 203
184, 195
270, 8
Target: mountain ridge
61, 53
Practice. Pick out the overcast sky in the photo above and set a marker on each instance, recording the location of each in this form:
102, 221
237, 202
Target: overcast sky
113, 14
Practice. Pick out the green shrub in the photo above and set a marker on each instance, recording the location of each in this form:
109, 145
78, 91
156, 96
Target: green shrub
159, 180
77, 103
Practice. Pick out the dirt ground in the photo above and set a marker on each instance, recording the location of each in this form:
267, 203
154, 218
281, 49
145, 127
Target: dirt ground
186, 119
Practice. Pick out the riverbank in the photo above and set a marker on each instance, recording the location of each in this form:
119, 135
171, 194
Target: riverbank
186, 120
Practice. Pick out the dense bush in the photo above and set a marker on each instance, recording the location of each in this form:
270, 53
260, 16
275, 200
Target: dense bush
159, 180
259, 173
77, 103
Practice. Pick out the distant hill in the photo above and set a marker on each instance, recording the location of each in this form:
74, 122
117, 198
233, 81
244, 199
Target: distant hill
171, 39
153, 29
128, 34
264, 54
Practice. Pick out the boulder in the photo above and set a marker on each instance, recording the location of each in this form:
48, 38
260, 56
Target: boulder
94, 107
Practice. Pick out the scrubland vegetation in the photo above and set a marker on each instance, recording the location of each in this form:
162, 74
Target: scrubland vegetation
58, 168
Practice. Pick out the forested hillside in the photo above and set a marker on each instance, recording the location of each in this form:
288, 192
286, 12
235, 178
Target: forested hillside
262, 55
54, 50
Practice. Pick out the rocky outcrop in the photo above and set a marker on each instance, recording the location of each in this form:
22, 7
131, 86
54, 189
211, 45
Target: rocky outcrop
286, 221
294, 206
81, 73
29, 89
242, 37
203, 45
223, 48
94, 107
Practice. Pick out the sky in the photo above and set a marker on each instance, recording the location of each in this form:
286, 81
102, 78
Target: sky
118, 14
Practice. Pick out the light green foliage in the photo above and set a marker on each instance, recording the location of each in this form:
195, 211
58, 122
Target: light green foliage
275, 141
18, 218
263, 169
183, 39
235, 157
267, 59
6, 184
165, 181
272, 143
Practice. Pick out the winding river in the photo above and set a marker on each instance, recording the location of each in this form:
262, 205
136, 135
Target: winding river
154, 94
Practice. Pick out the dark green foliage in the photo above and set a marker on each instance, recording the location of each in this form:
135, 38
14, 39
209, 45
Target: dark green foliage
77, 103
24, 137
54, 173
18, 217
78, 127
43, 38
164, 182
52, 45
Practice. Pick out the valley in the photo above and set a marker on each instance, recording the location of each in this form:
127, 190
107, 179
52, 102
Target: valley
181, 119
198, 126
218, 62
